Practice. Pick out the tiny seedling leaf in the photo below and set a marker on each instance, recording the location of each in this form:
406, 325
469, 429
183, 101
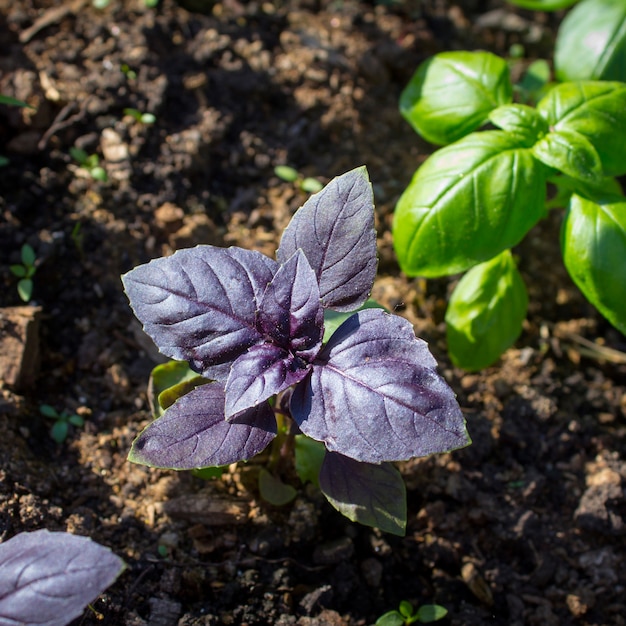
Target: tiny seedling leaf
25, 289
286, 173
28, 255
59, 431
431, 613
18, 270
48, 411
275, 491
391, 618
47, 579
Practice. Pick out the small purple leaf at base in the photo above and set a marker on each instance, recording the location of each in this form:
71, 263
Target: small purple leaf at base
291, 313
264, 371
194, 433
373, 495
373, 394
49, 578
199, 305
335, 230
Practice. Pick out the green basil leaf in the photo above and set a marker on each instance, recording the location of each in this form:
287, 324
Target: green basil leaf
591, 42
486, 312
593, 242
521, 120
571, 153
451, 94
467, 203
596, 110
543, 5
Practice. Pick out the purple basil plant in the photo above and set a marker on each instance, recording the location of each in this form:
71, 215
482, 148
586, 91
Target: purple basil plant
254, 327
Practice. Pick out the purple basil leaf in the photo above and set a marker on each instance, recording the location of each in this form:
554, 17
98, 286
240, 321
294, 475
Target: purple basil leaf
199, 305
373, 394
291, 312
48, 578
373, 495
264, 371
335, 230
193, 433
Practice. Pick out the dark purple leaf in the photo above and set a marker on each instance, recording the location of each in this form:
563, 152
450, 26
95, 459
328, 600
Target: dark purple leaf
373, 495
199, 305
47, 579
193, 433
335, 230
374, 395
264, 371
291, 312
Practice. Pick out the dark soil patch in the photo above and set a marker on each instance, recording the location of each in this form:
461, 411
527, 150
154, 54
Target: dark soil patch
526, 526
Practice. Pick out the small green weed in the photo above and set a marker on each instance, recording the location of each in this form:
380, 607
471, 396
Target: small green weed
142, 118
62, 421
406, 615
290, 175
89, 162
25, 271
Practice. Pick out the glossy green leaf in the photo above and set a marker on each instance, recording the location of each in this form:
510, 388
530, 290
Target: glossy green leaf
535, 80
591, 42
275, 491
485, 313
467, 203
595, 110
543, 5
521, 120
166, 376
431, 613
309, 457
593, 242
571, 153
286, 173
451, 94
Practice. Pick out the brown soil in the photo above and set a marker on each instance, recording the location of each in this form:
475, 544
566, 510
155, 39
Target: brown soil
526, 526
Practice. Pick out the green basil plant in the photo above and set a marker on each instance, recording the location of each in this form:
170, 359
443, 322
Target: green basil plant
476, 198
